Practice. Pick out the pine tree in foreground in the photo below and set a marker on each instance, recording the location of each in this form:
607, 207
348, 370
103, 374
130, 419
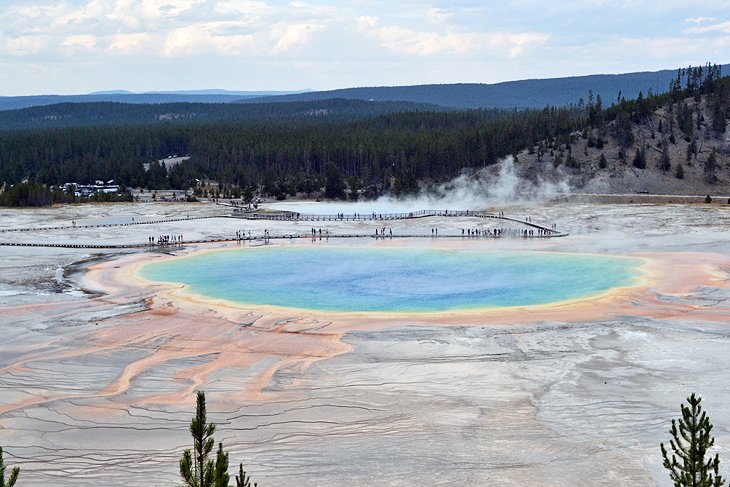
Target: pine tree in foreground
242, 480
13, 473
201, 471
690, 441
221, 468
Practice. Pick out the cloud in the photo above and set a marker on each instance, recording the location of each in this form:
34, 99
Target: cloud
367, 21
162, 28
700, 20
407, 41
291, 36
154, 9
80, 19
205, 38
124, 15
26, 45
650, 53
81, 41
176, 28
720, 27
240, 7
426, 43
343, 43
127, 44
438, 15
517, 43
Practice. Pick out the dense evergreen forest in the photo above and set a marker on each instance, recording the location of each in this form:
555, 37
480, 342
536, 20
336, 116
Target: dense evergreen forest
371, 153
64, 115
281, 155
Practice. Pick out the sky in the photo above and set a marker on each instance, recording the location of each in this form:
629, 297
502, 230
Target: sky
81, 46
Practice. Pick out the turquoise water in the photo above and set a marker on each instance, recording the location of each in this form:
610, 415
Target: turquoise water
393, 280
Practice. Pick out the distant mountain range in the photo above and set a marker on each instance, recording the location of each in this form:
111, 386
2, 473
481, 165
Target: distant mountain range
203, 92
534, 93
121, 96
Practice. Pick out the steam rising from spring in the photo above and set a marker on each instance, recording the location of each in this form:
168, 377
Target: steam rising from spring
492, 186
498, 185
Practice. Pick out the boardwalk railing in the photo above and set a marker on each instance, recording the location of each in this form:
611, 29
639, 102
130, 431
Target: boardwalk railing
262, 238
294, 216
106, 225
543, 231
373, 216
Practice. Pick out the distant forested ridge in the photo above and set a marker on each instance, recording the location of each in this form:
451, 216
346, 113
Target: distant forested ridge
107, 113
532, 93
199, 96
277, 151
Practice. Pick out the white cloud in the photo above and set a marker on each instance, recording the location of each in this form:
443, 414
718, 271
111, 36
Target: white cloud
408, 41
700, 20
26, 45
426, 43
291, 36
655, 48
81, 41
154, 9
160, 28
341, 43
184, 40
34, 11
721, 27
366, 22
438, 15
661, 6
127, 44
81, 18
517, 43
124, 14
240, 7
320, 11
204, 38
649, 53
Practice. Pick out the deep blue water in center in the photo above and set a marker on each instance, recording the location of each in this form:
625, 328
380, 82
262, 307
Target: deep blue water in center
347, 279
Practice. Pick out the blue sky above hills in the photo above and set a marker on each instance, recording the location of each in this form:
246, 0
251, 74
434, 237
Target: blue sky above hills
76, 46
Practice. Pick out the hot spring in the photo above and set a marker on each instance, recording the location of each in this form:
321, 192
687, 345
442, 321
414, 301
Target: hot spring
352, 279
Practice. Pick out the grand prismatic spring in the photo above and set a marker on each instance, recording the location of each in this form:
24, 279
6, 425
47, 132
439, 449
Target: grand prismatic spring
352, 361
393, 280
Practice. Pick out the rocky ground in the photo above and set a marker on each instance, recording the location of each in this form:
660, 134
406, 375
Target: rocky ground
620, 176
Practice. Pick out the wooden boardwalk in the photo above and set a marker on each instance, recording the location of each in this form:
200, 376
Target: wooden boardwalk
543, 231
179, 245
106, 225
309, 217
